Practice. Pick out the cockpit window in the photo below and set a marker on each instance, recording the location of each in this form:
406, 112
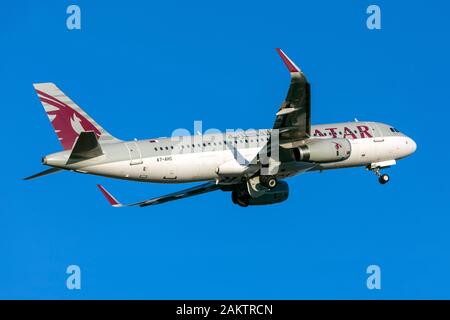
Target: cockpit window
393, 130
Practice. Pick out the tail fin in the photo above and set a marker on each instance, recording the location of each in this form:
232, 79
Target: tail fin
67, 118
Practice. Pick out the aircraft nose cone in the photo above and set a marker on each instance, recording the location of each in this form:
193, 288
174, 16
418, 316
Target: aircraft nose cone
412, 145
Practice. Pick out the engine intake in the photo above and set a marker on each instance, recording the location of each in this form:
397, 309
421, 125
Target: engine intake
323, 150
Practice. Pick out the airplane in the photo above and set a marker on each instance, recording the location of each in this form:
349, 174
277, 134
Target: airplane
251, 164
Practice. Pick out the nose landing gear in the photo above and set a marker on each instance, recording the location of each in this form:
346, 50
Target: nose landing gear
382, 178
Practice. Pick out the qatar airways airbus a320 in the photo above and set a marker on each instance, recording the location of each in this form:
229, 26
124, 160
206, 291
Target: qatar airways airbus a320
252, 165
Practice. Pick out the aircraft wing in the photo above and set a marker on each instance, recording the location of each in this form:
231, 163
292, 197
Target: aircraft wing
203, 188
293, 119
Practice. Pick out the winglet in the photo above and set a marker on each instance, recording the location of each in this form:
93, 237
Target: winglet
112, 201
292, 67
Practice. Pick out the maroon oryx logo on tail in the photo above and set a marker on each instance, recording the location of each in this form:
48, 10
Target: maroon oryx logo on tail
67, 122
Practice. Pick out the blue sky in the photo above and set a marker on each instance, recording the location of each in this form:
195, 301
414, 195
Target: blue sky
143, 68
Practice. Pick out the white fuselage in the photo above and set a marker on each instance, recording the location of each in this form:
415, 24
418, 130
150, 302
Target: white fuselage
199, 158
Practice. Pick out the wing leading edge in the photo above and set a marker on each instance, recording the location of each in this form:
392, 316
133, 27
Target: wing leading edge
200, 189
293, 119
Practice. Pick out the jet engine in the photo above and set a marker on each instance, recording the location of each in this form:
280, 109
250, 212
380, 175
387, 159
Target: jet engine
323, 150
277, 194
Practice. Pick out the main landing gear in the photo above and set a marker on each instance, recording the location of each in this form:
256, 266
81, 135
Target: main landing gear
382, 178
269, 182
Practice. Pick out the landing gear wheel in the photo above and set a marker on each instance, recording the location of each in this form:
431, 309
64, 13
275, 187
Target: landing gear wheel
383, 179
269, 182
272, 183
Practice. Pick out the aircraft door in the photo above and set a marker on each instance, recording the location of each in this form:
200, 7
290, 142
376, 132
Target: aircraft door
380, 146
135, 153
170, 173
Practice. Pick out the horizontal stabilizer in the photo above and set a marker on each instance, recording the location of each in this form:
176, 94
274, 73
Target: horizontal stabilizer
85, 148
43, 173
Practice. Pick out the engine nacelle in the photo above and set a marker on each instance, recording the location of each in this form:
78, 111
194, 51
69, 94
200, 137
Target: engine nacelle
278, 194
275, 195
323, 150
